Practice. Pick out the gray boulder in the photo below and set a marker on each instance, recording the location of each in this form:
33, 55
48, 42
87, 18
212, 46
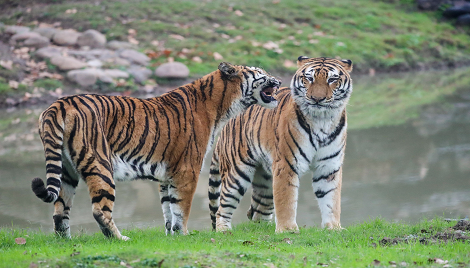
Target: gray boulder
134, 56
172, 70
67, 63
115, 73
115, 45
47, 52
46, 31
456, 11
23, 36
91, 38
66, 37
13, 29
463, 20
85, 77
37, 42
140, 74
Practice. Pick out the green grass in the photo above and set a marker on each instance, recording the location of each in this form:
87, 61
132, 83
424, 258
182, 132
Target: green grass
385, 35
248, 245
393, 100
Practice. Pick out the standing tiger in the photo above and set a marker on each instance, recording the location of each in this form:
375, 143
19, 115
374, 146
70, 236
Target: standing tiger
103, 139
306, 131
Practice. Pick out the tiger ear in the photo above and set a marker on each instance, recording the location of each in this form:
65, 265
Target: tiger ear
228, 69
346, 64
300, 60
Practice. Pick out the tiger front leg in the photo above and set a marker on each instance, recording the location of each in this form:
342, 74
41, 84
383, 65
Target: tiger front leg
165, 201
327, 190
285, 193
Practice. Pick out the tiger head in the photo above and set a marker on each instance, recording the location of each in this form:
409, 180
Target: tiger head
322, 85
256, 85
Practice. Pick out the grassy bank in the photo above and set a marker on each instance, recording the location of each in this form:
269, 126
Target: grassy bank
384, 35
248, 245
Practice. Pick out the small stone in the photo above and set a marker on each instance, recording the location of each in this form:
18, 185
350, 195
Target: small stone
67, 63
47, 52
66, 37
172, 70
13, 29
91, 38
134, 56
115, 45
95, 63
37, 42
24, 36
46, 31
115, 73
140, 74
121, 62
106, 79
85, 77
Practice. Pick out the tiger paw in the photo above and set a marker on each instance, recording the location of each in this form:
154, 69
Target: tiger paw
289, 228
125, 238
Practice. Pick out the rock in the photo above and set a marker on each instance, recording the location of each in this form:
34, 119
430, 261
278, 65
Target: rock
95, 63
91, 38
13, 29
37, 42
67, 63
46, 32
85, 77
115, 45
134, 56
463, 20
115, 73
429, 4
24, 36
102, 54
456, 11
66, 37
47, 52
106, 79
120, 62
172, 70
139, 73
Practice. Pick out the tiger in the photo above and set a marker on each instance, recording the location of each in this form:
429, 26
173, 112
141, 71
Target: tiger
271, 149
103, 139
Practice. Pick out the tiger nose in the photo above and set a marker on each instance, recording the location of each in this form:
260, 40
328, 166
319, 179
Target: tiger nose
317, 99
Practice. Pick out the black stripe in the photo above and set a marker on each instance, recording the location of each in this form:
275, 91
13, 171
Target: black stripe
103, 194
321, 194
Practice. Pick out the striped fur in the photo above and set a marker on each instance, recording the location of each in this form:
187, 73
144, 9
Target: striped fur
307, 131
102, 139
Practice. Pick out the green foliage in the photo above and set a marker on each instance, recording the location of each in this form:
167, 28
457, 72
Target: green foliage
48, 84
248, 245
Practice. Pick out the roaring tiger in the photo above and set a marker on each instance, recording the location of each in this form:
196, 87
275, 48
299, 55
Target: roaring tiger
102, 139
306, 131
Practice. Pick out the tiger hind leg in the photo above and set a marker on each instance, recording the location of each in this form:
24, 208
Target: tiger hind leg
214, 189
234, 186
262, 204
102, 192
62, 206
165, 201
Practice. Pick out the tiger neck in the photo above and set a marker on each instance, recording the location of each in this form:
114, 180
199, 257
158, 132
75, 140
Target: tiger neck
215, 100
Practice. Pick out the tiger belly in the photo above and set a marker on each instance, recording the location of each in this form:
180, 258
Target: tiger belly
125, 171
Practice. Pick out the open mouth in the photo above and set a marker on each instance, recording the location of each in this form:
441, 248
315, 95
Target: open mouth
267, 94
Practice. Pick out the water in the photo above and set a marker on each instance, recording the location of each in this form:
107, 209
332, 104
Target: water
403, 163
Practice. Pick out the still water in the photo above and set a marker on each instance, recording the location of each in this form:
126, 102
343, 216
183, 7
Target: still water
407, 160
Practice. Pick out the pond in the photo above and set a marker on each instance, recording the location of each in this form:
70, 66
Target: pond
407, 157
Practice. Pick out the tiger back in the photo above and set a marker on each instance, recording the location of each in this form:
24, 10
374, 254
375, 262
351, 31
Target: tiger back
307, 131
103, 139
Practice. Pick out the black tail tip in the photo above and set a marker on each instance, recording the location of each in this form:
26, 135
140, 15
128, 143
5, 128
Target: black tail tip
38, 187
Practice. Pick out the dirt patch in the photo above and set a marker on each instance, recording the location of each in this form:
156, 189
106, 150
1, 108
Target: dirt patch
455, 233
